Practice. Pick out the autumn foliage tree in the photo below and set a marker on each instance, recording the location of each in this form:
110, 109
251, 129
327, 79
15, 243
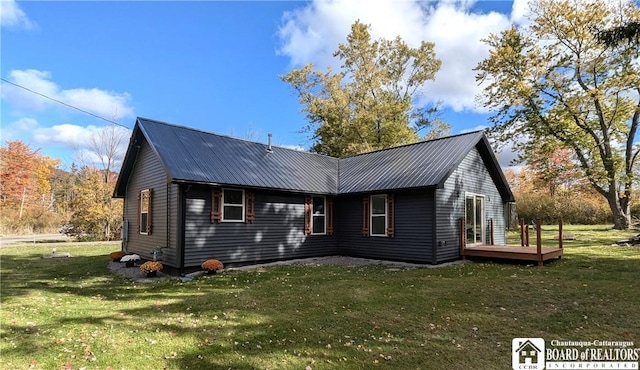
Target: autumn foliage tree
556, 82
569, 198
37, 196
96, 216
374, 101
26, 199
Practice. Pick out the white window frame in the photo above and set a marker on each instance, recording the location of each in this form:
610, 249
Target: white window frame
241, 206
483, 221
372, 215
314, 215
140, 213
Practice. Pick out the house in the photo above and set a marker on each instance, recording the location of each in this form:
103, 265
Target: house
196, 195
528, 353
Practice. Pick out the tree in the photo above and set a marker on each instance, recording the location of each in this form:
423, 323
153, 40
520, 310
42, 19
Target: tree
625, 32
555, 82
95, 214
553, 168
26, 197
107, 144
374, 102
25, 176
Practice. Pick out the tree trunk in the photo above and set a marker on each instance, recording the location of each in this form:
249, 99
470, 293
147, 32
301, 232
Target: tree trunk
620, 210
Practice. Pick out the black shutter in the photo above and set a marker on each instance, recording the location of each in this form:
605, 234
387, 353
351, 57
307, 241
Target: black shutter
249, 210
216, 206
308, 209
390, 216
365, 216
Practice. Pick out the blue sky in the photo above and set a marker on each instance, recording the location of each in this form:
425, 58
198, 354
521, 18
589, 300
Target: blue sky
213, 65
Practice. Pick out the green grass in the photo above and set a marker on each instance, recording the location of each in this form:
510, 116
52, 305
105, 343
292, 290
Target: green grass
58, 312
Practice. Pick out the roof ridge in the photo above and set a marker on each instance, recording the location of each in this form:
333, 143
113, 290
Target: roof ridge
417, 143
232, 137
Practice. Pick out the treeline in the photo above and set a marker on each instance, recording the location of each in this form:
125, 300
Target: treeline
36, 196
553, 187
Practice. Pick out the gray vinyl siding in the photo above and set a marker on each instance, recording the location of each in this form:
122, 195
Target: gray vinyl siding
148, 174
276, 234
412, 241
471, 176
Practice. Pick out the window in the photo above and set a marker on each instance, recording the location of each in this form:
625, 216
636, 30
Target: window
379, 215
232, 205
144, 202
319, 216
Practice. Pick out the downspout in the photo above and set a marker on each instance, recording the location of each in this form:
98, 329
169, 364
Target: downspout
168, 221
124, 227
182, 212
434, 231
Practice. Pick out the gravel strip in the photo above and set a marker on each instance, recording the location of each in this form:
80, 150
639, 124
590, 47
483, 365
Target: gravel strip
135, 274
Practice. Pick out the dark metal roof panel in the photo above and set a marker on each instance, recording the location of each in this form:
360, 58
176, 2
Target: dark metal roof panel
423, 164
196, 156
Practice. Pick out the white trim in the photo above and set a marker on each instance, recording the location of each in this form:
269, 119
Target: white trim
385, 215
324, 215
241, 206
483, 223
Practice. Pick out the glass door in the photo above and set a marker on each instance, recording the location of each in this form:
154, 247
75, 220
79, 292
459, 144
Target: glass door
474, 218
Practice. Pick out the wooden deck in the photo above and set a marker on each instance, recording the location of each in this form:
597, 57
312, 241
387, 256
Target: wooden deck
513, 253
525, 252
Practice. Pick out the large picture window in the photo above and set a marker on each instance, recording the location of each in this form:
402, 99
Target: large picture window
379, 215
319, 216
232, 205
145, 212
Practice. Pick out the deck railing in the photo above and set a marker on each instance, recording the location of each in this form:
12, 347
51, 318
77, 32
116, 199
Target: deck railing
539, 256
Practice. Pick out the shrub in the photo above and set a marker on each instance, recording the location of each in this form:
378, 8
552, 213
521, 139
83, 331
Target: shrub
212, 265
151, 266
117, 255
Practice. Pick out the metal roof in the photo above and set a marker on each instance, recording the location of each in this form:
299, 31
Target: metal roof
193, 156
423, 164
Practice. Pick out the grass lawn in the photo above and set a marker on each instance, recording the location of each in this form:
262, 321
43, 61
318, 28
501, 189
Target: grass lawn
73, 313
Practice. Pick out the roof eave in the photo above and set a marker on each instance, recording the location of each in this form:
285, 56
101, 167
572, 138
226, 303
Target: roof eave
244, 186
496, 172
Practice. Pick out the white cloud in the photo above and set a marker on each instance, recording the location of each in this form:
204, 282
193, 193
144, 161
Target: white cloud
312, 33
75, 136
293, 147
11, 16
519, 12
16, 129
24, 124
80, 139
106, 104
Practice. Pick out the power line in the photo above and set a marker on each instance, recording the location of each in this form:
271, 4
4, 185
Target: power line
63, 103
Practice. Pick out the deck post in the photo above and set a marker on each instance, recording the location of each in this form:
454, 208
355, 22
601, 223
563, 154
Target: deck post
526, 235
539, 241
522, 232
560, 233
462, 238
